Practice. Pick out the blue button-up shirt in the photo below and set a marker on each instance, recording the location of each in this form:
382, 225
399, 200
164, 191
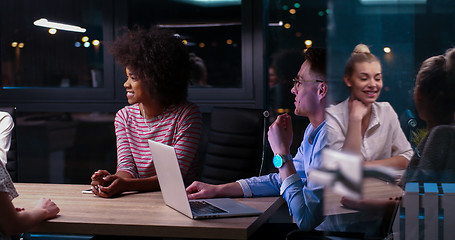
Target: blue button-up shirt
303, 197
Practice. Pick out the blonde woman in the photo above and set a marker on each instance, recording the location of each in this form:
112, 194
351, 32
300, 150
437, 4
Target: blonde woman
360, 124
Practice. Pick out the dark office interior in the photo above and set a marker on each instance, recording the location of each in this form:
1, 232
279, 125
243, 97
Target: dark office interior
67, 89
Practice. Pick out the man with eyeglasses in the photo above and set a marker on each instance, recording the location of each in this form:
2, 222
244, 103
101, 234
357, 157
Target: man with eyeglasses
303, 197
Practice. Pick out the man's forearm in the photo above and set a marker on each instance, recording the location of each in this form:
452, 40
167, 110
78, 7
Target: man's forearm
232, 189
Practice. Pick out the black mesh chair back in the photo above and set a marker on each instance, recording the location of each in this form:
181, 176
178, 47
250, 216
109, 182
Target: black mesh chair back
12, 164
235, 145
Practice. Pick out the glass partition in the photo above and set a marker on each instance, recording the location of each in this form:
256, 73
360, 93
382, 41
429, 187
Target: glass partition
400, 33
293, 26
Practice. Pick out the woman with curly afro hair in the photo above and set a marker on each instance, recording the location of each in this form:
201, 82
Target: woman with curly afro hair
157, 71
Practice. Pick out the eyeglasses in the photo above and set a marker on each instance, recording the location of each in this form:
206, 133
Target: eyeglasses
298, 80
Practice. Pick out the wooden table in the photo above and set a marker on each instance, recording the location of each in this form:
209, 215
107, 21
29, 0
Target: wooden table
372, 189
135, 214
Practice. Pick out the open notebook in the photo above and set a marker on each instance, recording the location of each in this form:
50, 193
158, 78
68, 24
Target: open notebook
174, 194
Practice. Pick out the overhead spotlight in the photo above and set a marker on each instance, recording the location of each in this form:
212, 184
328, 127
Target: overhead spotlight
52, 31
86, 44
84, 39
14, 44
77, 44
387, 50
229, 41
96, 42
47, 24
21, 45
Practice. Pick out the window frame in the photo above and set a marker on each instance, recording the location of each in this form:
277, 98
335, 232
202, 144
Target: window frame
111, 97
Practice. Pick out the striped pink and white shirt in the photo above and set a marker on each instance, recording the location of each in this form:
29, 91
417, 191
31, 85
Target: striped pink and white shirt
178, 126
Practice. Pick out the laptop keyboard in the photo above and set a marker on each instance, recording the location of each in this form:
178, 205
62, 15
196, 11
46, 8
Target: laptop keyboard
203, 207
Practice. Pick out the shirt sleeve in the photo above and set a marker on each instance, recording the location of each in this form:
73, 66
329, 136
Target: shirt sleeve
6, 126
125, 161
186, 139
304, 204
335, 128
6, 184
267, 185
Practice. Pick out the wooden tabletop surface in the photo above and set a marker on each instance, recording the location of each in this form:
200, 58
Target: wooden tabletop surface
135, 214
372, 189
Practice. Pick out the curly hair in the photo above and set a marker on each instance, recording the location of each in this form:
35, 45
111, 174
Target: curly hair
159, 59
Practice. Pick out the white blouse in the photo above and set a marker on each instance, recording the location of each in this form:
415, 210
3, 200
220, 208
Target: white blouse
6, 185
383, 137
6, 126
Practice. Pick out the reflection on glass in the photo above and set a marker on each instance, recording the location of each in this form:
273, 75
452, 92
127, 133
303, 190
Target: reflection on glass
293, 26
51, 53
210, 29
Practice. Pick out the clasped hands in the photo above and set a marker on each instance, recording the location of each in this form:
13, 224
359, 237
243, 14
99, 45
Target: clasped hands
107, 185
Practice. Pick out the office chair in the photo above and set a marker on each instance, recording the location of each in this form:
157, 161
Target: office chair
12, 163
235, 145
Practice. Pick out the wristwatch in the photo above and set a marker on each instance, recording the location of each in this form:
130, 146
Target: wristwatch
279, 159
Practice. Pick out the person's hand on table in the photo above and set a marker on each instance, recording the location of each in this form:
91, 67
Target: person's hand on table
98, 178
107, 185
115, 186
49, 208
353, 204
373, 206
201, 190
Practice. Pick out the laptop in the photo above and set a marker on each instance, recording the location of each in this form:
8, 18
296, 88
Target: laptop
174, 194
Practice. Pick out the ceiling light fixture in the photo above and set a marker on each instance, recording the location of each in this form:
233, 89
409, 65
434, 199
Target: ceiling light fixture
45, 23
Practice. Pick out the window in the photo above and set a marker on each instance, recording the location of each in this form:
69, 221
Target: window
37, 53
41, 71
210, 29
